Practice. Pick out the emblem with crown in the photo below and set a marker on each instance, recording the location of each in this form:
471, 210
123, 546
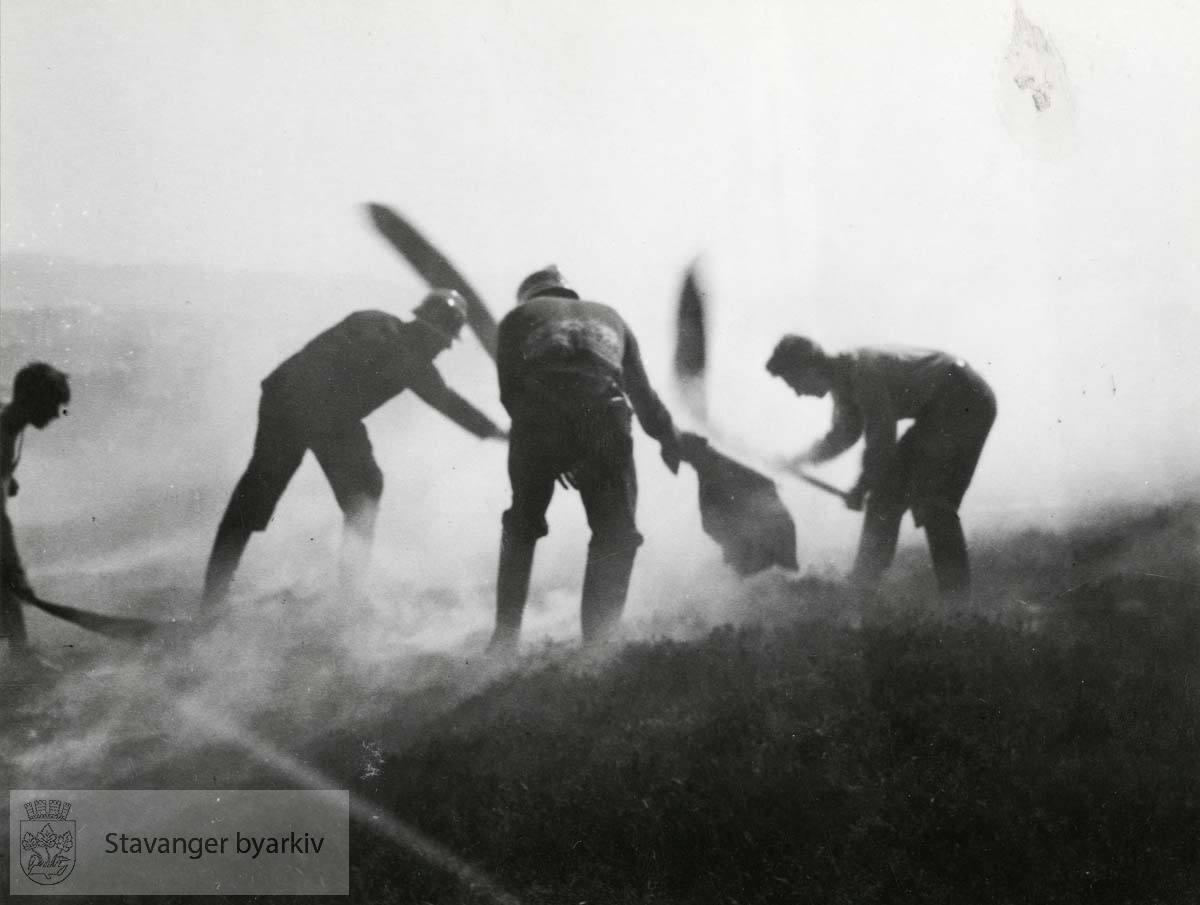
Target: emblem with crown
49, 839
47, 809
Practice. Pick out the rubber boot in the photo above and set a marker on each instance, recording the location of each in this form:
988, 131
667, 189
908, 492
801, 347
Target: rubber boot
948, 550
877, 544
227, 551
605, 586
512, 589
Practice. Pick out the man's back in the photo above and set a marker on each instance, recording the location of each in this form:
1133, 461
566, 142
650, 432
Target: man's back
560, 332
896, 381
550, 333
352, 368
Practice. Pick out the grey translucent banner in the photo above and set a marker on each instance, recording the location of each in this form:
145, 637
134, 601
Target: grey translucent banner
158, 842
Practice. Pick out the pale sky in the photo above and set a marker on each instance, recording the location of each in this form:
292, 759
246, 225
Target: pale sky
860, 171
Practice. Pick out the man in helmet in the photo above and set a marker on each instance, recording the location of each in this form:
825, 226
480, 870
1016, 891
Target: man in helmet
317, 400
40, 393
927, 470
569, 371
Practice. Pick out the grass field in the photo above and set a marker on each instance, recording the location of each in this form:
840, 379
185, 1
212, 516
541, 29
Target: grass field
1046, 751
909, 761
1048, 754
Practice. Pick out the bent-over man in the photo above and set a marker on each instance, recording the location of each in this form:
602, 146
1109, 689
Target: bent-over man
926, 471
317, 400
569, 371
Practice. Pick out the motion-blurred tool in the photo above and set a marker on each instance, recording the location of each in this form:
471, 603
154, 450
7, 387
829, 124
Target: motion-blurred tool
128, 628
435, 269
739, 507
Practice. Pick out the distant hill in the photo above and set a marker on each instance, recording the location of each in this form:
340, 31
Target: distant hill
103, 322
40, 281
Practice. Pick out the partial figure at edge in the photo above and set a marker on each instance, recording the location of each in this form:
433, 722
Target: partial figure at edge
41, 393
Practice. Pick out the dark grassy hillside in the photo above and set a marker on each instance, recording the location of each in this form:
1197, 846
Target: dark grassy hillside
1047, 753
934, 763
998, 760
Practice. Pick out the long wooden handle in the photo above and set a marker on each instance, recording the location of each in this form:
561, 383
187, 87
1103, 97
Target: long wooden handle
435, 268
113, 626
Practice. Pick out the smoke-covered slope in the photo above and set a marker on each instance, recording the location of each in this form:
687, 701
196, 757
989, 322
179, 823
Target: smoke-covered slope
1045, 751
773, 740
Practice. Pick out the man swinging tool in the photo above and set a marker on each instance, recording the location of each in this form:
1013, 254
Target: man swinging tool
569, 370
317, 400
928, 470
40, 394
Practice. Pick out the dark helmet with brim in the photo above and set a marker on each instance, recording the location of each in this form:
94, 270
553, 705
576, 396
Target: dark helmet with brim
443, 310
547, 281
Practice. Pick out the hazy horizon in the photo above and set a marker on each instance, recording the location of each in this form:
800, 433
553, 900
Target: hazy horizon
858, 173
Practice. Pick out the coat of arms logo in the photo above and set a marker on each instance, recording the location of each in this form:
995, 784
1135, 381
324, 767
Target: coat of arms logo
47, 841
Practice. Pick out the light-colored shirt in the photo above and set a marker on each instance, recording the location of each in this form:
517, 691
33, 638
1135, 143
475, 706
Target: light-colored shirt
873, 389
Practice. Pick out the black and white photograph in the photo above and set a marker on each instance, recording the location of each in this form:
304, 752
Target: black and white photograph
504, 451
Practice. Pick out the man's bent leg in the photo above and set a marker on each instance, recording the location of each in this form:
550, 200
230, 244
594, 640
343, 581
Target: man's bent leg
877, 544
512, 590
358, 536
277, 455
952, 435
608, 485
12, 620
12, 617
228, 546
605, 587
531, 473
349, 464
948, 550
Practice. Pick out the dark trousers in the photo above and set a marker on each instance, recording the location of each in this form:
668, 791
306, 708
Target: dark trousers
12, 617
585, 435
930, 472
344, 454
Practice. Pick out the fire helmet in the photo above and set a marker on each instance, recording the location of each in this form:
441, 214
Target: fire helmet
444, 310
547, 281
